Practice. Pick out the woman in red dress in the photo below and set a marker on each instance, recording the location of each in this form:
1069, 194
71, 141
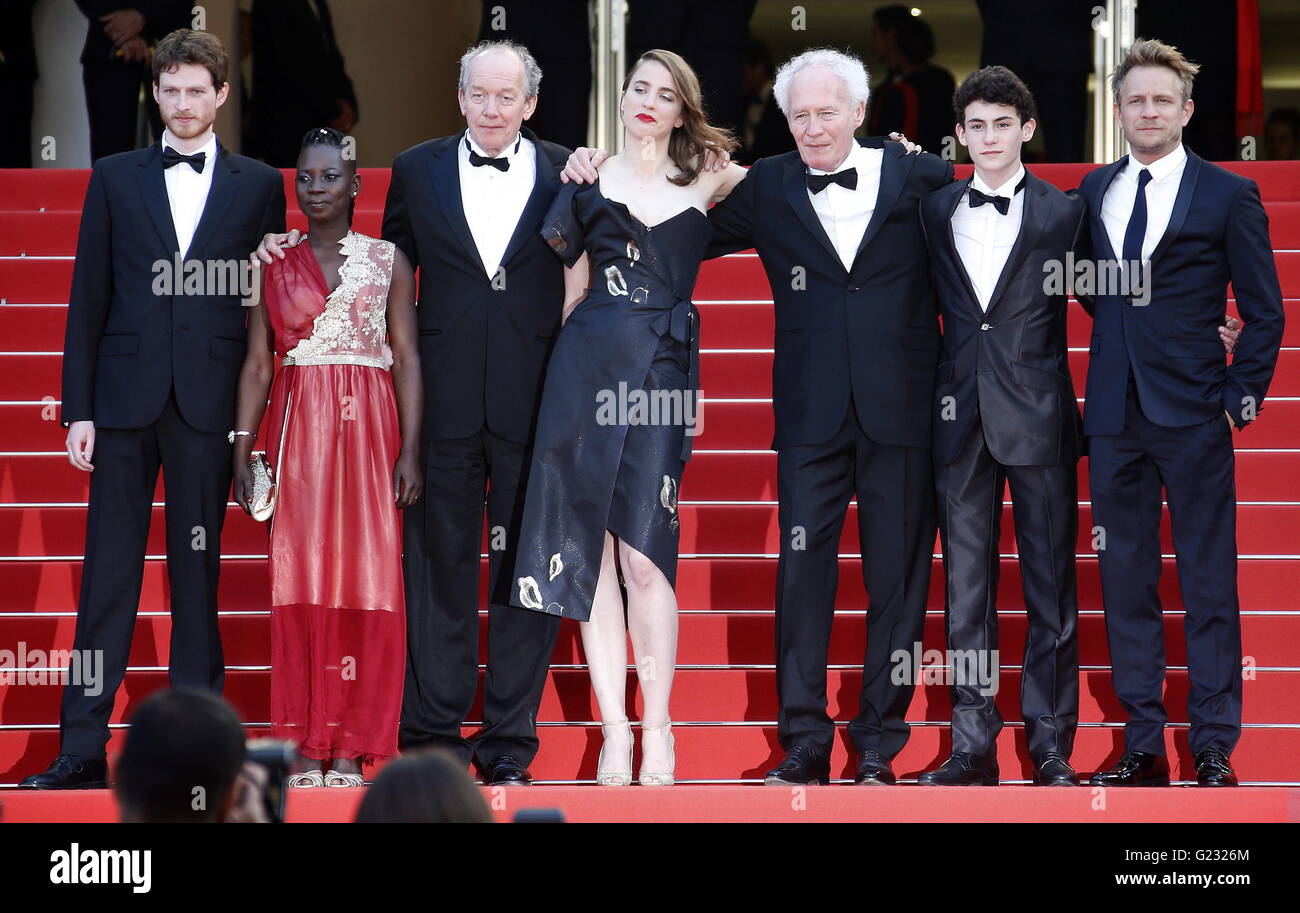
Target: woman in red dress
342, 436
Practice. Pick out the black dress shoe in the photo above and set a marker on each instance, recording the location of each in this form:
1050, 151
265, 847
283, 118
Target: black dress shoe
1213, 769
963, 769
506, 771
1135, 768
70, 772
873, 770
802, 767
1053, 770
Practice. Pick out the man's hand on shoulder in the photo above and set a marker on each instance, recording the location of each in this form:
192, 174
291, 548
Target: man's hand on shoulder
911, 147
274, 245
582, 164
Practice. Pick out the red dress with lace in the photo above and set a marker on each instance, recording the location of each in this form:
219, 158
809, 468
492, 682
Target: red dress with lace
338, 637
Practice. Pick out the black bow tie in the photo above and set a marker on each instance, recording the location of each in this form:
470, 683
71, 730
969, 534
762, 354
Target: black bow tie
172, 157
1001, 204
500, 163
847, 178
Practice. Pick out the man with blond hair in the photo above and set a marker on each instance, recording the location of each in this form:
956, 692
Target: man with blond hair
1162, 405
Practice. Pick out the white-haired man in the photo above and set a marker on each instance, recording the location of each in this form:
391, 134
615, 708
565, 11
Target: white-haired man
857, 343
467, 209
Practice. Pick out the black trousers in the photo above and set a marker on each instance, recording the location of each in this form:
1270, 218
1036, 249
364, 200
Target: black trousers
1195, 465
441, 564
196, 473
113, 104
896, 524
1046, 512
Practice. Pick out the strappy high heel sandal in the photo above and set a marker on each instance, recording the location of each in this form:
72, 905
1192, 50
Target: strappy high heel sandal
657, 777
615, 776
334, 778
307, 778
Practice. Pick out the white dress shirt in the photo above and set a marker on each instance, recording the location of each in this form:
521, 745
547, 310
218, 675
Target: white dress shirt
494, 200
984, 237
1161, 191
845, 213
187, 190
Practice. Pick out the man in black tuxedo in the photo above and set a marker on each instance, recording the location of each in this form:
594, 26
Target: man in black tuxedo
115, 63
1158, 390
857, 341
149, 378
1004, 410
467, 210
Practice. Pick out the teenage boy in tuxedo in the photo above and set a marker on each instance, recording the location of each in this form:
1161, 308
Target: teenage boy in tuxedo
1004, 411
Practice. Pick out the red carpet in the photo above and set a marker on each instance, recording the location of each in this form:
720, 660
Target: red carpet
816, 804
725, 697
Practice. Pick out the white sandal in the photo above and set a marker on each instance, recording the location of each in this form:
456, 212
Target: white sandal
334, 778
615, 776
658, 778
307, 778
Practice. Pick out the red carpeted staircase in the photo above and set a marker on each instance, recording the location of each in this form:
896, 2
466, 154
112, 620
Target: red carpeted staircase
724, 702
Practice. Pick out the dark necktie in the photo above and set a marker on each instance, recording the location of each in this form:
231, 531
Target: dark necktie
172, 157
1136, 232
500, 163
1001, 204
847, 178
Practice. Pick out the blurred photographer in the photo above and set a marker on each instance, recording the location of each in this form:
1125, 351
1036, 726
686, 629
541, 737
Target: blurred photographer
185, 761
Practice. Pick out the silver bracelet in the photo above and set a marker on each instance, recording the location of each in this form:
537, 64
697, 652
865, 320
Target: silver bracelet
230, 437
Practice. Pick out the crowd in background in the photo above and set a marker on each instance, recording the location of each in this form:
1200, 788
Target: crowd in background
297, 78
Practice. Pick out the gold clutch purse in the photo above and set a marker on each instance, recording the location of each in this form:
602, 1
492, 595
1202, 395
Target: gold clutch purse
263, 503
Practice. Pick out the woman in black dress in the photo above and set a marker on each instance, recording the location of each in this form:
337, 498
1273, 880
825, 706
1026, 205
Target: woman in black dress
620, 405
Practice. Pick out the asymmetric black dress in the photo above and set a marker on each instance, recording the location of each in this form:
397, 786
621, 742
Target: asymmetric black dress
620, 404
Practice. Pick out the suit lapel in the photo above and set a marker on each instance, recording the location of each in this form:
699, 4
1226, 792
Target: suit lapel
894, 168
444, 165
153, 187
796, 192
545, 185
220, 193
1033, 216
958, 190
1186, 189
1094, 207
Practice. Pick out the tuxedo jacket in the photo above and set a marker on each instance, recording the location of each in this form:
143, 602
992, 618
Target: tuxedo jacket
871, 330
483, 349
1008, 364
1218, 233
127, 345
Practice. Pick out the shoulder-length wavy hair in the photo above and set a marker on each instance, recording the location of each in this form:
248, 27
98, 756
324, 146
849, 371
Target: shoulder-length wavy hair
689, 142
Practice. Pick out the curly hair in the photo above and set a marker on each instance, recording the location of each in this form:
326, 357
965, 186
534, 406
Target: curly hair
996, 86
